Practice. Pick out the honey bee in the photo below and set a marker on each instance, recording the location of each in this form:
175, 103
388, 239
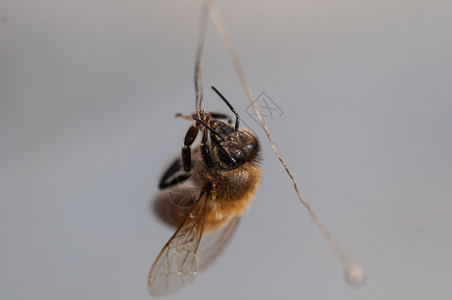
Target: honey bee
225, 171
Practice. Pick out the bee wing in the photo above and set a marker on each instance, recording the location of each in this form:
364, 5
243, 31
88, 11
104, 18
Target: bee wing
213, 244
175, 267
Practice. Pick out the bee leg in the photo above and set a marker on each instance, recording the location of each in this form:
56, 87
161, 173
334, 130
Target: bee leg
188, 141
172, 170
221, 117
205, 152
189, 118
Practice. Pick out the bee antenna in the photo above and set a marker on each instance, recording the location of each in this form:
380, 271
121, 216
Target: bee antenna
237, 117
208, 127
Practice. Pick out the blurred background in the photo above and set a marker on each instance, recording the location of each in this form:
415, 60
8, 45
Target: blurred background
358, 97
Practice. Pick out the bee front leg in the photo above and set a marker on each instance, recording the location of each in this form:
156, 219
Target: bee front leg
220, 116
215, 115
188, 141
205, 152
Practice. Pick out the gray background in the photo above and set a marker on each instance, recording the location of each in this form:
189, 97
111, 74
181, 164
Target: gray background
88, 92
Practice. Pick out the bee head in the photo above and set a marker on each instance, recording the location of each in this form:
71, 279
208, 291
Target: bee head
232, 146
236, 147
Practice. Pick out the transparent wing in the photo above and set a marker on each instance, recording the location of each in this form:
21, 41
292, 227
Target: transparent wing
175, 267
213, 244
